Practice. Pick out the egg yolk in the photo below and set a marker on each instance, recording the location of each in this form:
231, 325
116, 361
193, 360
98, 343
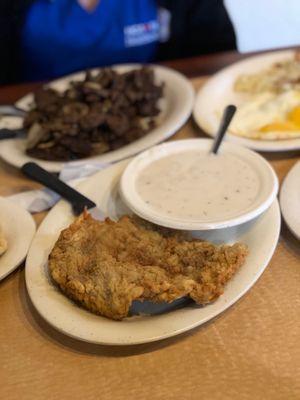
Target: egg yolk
292, 123
294, 116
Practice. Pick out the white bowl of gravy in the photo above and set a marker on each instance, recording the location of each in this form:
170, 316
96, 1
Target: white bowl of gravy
182, 185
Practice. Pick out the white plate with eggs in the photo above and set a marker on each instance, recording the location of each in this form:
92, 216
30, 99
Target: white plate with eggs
265, 121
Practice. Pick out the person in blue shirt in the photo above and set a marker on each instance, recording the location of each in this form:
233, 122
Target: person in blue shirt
62, 36
45, 39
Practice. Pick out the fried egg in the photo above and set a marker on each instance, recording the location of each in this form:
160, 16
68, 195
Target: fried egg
268, 116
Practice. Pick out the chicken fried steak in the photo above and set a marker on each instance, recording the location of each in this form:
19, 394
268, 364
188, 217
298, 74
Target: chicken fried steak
105, 266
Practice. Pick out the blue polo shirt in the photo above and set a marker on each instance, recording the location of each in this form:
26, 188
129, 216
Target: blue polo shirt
60, 37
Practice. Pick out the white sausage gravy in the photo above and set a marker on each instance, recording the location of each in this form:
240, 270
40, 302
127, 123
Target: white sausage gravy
195, 185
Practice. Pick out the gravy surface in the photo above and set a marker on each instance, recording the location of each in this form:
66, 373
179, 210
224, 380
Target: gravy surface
194, 185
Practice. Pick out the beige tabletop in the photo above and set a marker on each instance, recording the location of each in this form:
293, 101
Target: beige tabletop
251, 351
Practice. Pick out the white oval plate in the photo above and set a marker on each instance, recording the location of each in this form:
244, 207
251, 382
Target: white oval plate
218, 92
18, 227
290, 199
264, 171
176, 107
78, 323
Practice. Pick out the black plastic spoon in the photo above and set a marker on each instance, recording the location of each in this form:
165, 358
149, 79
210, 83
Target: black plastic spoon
77, 200
6, 133
225, 122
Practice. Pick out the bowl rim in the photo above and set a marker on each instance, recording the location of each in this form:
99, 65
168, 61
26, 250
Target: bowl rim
135, 203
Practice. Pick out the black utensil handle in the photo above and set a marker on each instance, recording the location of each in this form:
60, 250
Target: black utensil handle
39, 174
6, 133
226, 119
11, 110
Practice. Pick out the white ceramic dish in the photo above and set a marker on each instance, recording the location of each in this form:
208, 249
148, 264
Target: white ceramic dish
76, 322
18, 227
176, 107
218, 92
290, 200
268, 185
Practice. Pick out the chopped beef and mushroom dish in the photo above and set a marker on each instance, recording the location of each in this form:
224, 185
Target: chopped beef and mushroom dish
101, 113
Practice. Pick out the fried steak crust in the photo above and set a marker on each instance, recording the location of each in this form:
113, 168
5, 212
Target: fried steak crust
107, 265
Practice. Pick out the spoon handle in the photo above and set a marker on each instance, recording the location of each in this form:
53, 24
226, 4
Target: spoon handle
39, 174
226, 119
6, 133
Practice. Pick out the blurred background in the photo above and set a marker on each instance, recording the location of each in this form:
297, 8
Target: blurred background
45, 39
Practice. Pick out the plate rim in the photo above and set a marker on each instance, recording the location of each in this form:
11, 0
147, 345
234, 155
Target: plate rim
282, 195
173, 331
10, 205
109, 157
258, 145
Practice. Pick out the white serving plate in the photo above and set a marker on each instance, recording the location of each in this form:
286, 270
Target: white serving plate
176, 107
218, 92
263, 170
18, 227
68, 318
290, 200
